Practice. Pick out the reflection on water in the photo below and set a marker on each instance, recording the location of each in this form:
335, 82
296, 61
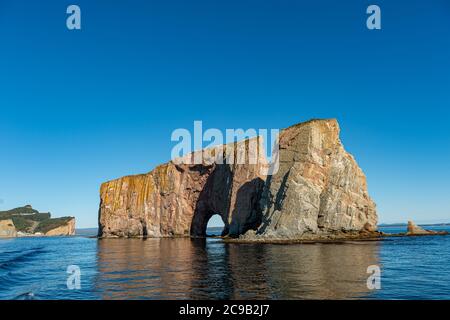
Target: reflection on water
209, 269
411, 268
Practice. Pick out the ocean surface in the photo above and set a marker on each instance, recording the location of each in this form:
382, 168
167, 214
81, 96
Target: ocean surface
36, 268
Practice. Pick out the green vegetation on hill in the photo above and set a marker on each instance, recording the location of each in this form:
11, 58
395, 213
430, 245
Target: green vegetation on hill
50, 224
17, 211
39, 216
23, 224
28, 220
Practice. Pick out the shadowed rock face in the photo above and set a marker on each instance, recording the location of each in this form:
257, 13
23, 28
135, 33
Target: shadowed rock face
318, 189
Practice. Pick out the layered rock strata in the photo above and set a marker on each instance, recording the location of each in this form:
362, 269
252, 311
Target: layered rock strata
179, 199
318, 190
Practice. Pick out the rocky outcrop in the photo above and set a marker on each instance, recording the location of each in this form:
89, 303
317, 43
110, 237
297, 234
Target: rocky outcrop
7, 229
66, 229
318, 191
415, 230
179, 199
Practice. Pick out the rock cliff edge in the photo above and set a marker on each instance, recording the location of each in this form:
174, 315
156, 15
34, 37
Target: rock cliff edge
318, 191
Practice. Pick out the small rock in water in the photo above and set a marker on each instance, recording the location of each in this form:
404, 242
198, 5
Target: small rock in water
414, 229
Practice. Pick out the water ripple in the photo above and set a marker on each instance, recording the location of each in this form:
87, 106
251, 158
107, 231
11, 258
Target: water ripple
412, 268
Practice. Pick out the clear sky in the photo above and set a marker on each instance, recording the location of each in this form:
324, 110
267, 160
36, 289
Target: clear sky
82, 107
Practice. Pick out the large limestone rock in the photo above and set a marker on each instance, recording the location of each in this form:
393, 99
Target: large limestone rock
318, 190
179, 199
7, 229
66, 229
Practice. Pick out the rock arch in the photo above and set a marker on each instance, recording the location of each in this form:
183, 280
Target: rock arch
319, 190
213, 198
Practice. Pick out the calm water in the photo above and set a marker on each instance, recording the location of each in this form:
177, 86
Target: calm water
412, 268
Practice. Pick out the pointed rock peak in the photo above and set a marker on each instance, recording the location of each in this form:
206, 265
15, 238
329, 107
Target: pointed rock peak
413, 228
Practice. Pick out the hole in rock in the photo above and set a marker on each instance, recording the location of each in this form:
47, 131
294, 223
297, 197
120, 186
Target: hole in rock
215, 226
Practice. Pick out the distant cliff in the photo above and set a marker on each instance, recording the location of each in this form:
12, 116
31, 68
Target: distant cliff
26, 221
7, 229
318, 192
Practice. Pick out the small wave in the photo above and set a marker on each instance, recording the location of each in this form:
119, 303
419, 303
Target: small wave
26, 296
13, 261
11, 252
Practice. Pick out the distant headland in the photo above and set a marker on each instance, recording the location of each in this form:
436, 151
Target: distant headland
26, 221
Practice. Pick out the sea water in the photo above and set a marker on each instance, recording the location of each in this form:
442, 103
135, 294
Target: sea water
183, 268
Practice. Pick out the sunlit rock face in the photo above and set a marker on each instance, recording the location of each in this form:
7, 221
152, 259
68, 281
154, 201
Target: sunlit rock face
318, 189
7, 229
66, 229
179, 199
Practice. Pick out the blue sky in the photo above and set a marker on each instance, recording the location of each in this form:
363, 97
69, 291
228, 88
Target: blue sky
82, 107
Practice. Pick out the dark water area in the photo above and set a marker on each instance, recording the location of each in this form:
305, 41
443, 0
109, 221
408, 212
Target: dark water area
183, 268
